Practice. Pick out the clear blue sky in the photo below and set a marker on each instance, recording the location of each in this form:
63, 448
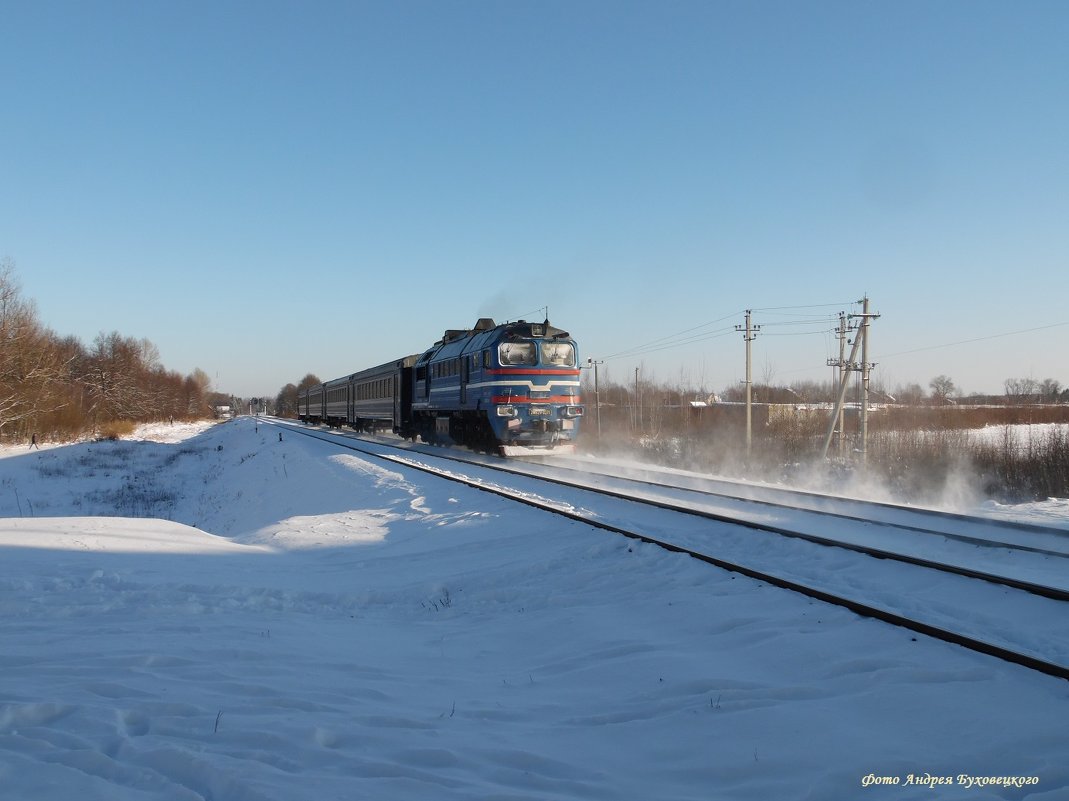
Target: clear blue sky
267, 189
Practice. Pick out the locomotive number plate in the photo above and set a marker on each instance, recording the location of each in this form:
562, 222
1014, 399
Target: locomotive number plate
540, 410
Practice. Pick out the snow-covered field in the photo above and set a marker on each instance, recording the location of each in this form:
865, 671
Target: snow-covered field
1021, 435
295, 622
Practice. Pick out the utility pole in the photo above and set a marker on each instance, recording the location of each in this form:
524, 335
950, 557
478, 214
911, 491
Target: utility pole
750, 333
638, 405
849, 366
597, 400
840, 366
865, 368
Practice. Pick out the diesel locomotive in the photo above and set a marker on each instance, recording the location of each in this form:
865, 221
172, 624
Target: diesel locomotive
511, 388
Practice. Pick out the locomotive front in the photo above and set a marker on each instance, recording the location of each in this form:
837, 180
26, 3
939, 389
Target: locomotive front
510, 388
533, 387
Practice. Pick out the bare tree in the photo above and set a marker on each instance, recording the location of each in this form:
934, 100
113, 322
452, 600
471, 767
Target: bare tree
1020, 390
112, 378
31, 360
310, 380
942, 388
1051, 389
910, 394
53, 385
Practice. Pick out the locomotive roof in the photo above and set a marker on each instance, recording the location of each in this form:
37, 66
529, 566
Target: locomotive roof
457, 341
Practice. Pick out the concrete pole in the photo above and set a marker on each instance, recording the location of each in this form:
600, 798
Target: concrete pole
749, 389
839, 402
638, 405
597, 398
750, 331
842, 369
864, 379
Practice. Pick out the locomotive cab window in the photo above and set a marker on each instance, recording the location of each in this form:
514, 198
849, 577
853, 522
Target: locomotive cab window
516, 353
558, 353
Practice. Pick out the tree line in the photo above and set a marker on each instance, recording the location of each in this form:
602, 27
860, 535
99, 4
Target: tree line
286, 400
56, 387
943, 390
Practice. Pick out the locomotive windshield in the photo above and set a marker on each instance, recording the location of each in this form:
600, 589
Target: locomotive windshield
556, 354
516, 352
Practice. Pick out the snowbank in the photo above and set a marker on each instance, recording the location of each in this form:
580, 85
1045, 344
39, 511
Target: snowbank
348, 630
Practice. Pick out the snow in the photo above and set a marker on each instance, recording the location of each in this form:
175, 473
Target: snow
1020, 435
210, 612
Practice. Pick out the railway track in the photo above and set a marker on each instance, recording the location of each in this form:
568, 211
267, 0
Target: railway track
903, 596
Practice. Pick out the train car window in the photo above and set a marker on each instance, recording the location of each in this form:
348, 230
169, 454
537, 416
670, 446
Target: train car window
516, 353
558, 353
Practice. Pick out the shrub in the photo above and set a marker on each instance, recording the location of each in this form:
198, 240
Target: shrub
117, 429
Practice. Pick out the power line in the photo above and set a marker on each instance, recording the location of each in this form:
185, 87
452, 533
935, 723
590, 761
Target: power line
816, 306
681, 339
796, 333
539, 311
977, 339
648, 346
823, 321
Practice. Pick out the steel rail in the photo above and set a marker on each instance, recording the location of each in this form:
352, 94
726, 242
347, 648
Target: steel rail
859, 608
1054, 593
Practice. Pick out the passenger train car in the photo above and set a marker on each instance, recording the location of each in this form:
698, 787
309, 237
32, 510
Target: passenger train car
510, 388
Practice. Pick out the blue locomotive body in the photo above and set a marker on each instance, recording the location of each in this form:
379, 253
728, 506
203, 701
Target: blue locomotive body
506, 388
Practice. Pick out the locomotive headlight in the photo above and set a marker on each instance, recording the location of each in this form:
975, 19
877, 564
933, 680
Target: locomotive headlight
573, 411
506, 411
